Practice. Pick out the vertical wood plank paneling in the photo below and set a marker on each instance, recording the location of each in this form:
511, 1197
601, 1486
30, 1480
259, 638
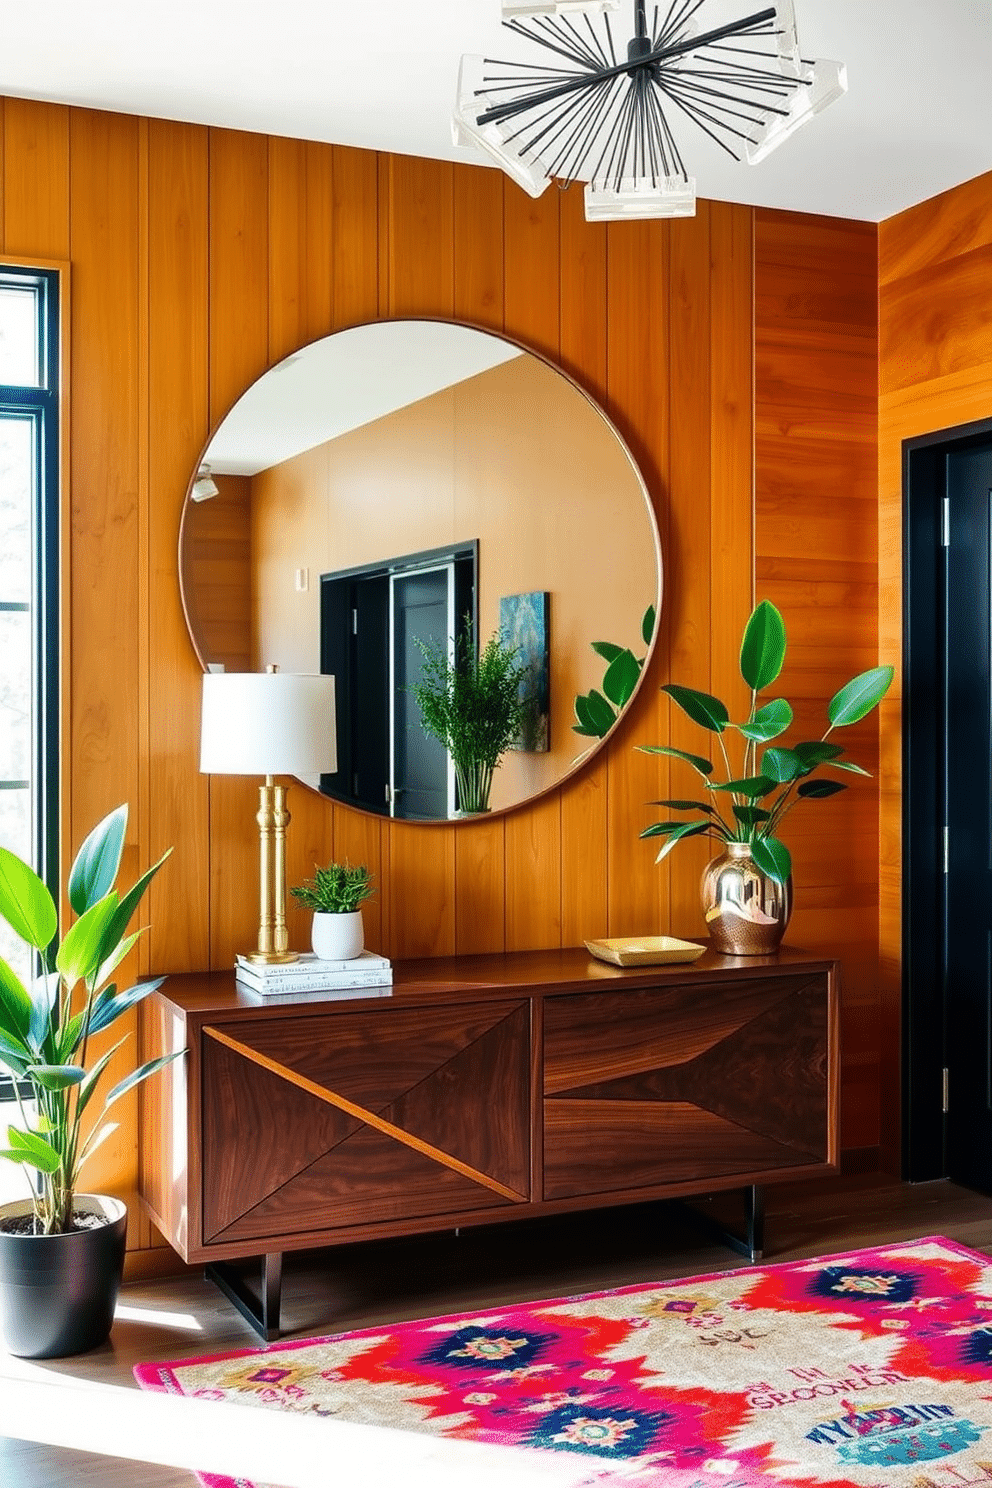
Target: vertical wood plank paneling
318, 319
239, 341
480, 848
695, 608
478, 246
731, 442
35, 179
355, 236
816, 419
638, 381
420, 887
532, 315
355, 241
102, 754
179, 807
310, 836
583, 351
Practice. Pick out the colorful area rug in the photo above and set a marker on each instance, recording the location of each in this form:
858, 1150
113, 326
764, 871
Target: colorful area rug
872, 1368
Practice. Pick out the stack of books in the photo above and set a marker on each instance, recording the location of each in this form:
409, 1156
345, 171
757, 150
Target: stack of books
367, 975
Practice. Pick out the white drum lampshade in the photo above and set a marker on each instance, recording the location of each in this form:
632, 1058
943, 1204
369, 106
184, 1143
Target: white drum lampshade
268, 723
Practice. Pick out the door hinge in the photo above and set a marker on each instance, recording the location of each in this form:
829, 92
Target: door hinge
945, 522
945, 1105
947, 849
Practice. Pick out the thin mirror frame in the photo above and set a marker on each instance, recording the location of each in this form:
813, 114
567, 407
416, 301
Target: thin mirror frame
586, 755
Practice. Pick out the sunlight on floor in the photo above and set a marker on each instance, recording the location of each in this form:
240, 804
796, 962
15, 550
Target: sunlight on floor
160, 1316
261, 1445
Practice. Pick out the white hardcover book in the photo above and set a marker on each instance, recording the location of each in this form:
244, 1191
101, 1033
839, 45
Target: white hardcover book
307, 964
270, 995
330, 981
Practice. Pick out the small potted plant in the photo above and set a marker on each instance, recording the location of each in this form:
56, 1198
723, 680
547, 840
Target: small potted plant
336, 895
62, 1252
472, 704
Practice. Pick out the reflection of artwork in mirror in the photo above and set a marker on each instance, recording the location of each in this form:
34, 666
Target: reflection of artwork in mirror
523, 622
377, 460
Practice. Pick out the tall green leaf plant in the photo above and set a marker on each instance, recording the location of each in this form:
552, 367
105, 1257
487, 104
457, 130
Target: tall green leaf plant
47, 1027
751, 802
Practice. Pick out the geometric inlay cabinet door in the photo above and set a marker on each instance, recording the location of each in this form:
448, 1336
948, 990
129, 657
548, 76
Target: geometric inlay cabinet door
354, 1119
684, 1084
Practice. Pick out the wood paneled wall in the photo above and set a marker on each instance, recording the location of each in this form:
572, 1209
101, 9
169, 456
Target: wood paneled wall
199, 257
935, 372
816, 480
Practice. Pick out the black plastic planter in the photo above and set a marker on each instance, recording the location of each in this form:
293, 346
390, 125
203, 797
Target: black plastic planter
58, 1292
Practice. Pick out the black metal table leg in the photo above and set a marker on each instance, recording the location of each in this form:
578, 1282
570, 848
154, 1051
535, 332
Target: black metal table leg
752, 1243
261, 1310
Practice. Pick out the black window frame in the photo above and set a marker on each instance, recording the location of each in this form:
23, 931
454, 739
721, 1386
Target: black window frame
42, 404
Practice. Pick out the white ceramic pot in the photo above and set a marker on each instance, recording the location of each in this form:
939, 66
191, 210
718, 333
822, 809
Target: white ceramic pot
338, 937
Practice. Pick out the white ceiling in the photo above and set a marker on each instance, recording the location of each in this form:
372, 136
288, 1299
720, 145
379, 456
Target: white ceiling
343, 382
381, 74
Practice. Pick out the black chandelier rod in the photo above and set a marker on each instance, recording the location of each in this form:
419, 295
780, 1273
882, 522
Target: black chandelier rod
500, 111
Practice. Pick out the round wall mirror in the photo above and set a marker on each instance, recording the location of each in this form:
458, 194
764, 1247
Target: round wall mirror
404, 488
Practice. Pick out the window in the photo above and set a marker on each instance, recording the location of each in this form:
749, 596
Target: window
29, 367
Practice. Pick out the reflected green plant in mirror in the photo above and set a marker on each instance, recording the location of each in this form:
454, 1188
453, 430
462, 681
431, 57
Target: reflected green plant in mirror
471, 702
597, 711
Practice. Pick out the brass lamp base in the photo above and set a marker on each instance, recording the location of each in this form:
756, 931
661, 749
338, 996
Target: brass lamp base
273, 819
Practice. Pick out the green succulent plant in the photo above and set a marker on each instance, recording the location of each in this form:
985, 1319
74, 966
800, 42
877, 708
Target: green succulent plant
47, 1027
750, 804
337, 889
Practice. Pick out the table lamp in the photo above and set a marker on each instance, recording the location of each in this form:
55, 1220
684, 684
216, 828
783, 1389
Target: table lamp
269, 723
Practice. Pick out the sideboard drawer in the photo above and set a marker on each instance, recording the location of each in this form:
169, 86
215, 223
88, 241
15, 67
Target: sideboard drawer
685, 1084
320, 1122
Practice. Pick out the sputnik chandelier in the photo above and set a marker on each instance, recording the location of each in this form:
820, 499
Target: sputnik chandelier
590, 113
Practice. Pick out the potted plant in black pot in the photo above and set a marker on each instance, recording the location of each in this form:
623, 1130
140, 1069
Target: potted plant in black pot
61, 1251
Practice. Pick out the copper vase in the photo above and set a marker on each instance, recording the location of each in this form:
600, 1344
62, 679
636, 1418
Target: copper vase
746, 912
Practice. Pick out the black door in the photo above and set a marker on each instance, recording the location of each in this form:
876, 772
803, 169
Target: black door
420, 762
968, 818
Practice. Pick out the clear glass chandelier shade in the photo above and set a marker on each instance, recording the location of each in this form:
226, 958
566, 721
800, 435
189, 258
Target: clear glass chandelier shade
493, 139
665, 196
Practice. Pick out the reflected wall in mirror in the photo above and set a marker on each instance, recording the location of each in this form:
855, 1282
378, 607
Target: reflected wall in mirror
384, 487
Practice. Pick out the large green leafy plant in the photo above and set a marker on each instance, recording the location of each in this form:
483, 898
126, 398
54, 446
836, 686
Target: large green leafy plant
47, 1027
750, 804
472, 704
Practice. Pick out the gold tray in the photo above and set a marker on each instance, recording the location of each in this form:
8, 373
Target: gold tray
645, 950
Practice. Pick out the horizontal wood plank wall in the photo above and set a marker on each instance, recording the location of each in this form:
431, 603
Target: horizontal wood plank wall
816, 419
935, 372
201, 256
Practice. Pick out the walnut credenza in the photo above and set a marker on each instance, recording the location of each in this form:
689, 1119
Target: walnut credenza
484, 1088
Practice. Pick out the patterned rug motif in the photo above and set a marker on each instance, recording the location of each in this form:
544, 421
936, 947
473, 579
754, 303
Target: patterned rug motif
866, 1370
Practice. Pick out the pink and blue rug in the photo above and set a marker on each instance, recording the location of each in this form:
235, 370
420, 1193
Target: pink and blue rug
872, 1368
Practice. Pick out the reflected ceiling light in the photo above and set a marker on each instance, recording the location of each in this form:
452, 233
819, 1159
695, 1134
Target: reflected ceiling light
204, 486
590, 114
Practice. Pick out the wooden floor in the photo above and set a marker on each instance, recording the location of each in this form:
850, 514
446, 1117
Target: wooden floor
362, 1285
